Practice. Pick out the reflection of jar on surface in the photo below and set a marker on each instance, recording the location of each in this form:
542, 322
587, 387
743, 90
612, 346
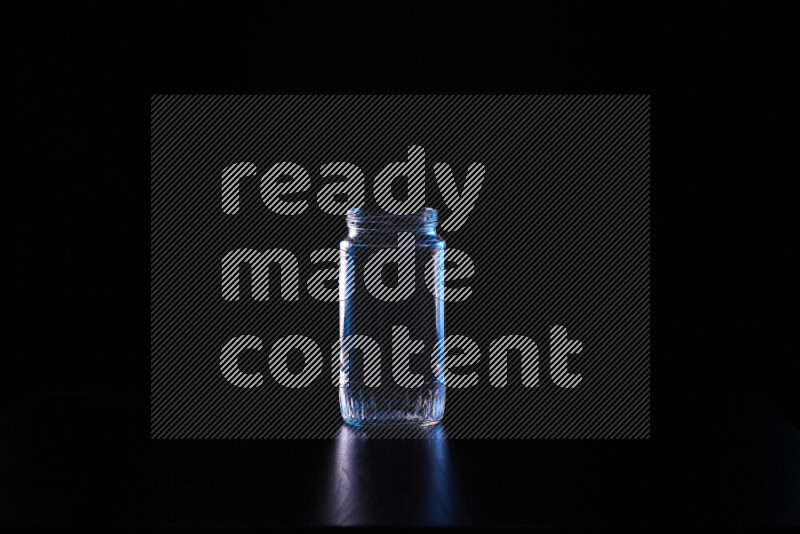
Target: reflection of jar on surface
391, 319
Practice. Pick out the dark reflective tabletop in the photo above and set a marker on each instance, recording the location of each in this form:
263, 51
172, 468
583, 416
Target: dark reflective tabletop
87, 459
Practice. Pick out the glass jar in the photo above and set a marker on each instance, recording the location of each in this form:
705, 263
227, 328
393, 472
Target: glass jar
391, 319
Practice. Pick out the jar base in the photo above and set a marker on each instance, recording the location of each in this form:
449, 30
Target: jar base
363, 406
383, 424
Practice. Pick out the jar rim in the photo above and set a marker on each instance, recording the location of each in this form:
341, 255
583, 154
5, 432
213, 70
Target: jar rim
373, 216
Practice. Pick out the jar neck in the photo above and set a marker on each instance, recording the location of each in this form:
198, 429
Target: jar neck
362, 230
371, 222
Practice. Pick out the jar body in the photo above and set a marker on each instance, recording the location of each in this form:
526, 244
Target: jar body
391, 320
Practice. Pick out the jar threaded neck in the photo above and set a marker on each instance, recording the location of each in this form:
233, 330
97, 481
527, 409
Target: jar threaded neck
373, 219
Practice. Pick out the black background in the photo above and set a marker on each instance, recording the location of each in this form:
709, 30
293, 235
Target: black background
724, 454
558, 236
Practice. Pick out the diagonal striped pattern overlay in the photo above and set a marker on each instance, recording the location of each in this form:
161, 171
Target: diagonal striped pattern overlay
553, 313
